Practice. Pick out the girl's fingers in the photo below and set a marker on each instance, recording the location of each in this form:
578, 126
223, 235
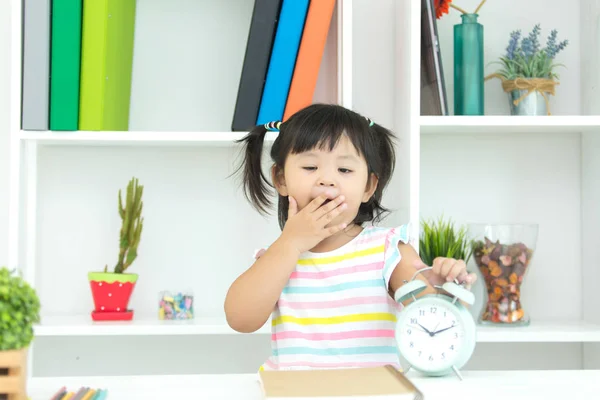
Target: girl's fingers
293, 207
436, 266
315, 204
334, 229
321, 211
447, 266
330, 216
457, 269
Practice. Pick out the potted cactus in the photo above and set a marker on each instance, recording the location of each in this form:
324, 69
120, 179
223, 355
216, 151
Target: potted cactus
111, 290
19, 311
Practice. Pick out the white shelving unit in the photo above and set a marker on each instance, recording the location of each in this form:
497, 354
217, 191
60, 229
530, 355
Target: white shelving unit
43, 178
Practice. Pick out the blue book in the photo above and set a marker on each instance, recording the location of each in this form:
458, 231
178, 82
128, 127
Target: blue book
283, 60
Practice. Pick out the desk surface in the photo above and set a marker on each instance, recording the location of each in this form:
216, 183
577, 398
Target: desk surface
489, 385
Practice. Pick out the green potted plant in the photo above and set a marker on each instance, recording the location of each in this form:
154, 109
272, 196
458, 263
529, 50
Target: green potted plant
527, 71
111, 291
19, 311
442, 239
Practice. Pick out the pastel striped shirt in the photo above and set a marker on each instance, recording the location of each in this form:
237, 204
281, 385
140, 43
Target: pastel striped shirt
335, 310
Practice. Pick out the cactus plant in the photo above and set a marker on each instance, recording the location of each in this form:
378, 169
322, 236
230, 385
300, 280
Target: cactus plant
131, 227
111, 290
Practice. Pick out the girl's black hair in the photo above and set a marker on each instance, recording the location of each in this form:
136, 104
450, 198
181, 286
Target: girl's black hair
318, 126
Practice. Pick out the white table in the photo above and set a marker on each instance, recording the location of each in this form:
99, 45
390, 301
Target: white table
477, 385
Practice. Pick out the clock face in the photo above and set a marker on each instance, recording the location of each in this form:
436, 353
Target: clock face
431, 335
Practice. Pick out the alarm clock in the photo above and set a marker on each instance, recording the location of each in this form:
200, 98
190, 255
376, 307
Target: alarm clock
435, 333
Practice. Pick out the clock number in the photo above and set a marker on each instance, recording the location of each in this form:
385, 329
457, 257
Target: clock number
433, 310
443, 356
452, 347
420, 353
453, 322
413, 321
430, 358
421, 312
409, 331
412, 344
444, 313
455, 335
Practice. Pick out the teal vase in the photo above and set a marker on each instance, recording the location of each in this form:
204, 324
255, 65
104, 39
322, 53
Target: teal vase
468, 66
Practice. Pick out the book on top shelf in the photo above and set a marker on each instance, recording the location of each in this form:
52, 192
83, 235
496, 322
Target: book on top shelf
256, 61
310, 54
282, 61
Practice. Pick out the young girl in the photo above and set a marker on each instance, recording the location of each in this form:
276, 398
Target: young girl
329, 279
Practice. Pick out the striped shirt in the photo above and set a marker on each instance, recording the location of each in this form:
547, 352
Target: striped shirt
336, 311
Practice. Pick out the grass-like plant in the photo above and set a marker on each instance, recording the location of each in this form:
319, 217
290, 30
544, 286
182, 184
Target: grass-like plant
440, 238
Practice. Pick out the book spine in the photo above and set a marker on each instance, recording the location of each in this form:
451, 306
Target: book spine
119, 63
93, 68
310, 55
36, 64
282, 61
65, 64
256, 61
106, 64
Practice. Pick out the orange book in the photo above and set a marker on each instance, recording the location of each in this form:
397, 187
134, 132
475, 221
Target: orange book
309, 57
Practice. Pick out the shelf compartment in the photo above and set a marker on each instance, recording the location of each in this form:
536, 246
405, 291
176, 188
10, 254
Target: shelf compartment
136, 138
542, 331
508, 124
83, 325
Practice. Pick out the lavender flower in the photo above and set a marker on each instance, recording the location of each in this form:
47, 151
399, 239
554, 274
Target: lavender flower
551, 43
534, 37
556, 49
513, 44
527, 48
525, 57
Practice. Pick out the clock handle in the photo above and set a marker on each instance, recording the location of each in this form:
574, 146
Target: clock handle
454, 288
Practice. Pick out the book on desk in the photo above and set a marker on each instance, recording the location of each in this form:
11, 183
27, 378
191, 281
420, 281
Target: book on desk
373, 383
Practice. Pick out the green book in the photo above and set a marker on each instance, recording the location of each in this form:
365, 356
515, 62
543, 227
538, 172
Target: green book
64, 64
106, 63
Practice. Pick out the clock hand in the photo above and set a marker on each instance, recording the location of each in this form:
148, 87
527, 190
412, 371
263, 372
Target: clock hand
442, 330
421, 329
425, 329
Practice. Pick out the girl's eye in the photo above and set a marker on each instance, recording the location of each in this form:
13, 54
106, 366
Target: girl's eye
344, 170
309, 168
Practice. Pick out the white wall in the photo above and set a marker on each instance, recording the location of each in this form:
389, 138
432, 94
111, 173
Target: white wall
4, 126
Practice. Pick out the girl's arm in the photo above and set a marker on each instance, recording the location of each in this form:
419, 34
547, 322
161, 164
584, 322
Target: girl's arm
253, 295
444, 269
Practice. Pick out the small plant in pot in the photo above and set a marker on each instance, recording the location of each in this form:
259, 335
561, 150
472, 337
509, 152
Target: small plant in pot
440, 238
112, 290
19, 311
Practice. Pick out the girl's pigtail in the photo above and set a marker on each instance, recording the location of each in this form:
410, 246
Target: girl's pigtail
255, 183
386, 162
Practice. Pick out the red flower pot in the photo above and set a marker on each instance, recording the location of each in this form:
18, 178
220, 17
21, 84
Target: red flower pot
111, 293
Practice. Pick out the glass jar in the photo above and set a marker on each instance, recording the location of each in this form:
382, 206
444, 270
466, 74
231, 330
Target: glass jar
502, 253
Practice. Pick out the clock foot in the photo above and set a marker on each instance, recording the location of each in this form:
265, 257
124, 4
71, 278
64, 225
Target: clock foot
407, 368
457, 372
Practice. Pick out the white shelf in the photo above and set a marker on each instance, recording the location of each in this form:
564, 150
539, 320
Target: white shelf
508, 124
490, 385
541, 331
135, 138
83, 325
